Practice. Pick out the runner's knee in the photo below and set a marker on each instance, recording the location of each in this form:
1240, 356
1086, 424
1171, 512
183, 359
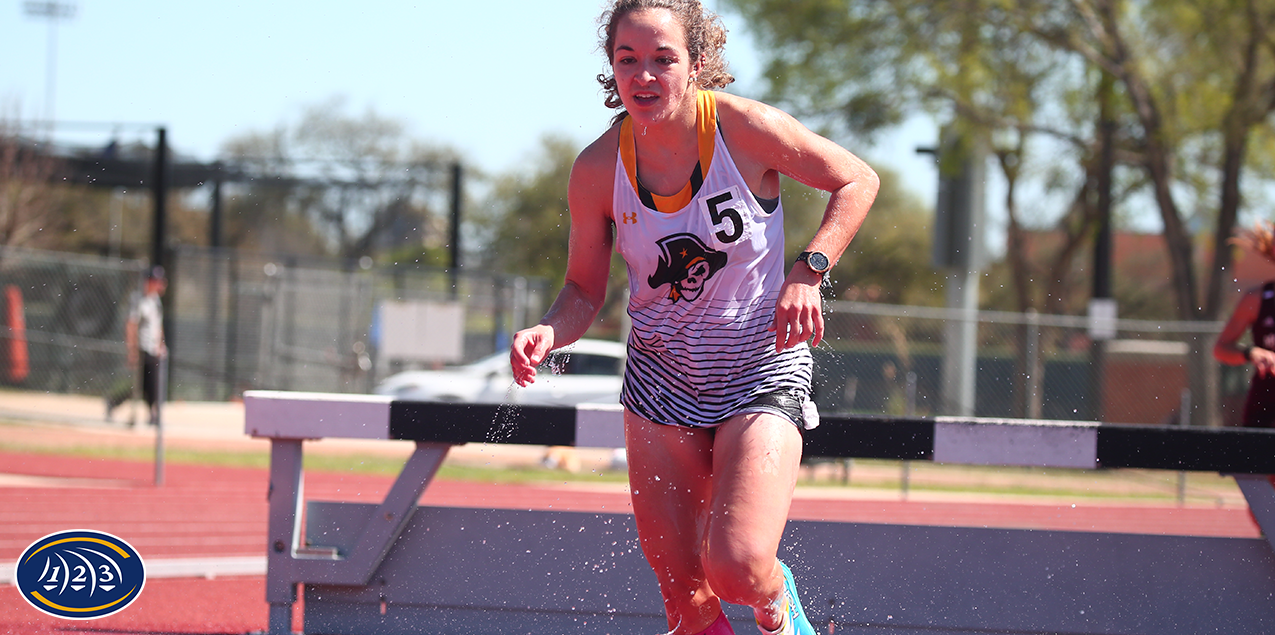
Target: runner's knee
741, 575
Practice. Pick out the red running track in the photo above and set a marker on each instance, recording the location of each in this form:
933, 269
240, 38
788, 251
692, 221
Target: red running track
220, 511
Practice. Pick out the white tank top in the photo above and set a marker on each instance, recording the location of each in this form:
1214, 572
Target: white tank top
705, 269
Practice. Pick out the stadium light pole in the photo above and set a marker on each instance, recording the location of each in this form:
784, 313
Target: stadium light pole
53, 12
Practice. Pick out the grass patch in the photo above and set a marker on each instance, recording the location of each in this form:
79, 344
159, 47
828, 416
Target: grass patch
145, 455
313, 461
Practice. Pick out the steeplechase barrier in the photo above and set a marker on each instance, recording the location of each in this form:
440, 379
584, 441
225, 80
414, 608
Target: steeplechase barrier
393, 567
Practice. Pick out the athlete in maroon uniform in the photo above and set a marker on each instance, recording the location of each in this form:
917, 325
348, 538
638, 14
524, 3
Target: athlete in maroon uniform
1255, 312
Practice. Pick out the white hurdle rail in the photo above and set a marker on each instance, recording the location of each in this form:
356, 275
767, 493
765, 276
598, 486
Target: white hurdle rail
394, 568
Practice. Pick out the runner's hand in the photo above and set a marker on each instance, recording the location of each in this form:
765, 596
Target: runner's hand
529, 348
799, 311
1263, 361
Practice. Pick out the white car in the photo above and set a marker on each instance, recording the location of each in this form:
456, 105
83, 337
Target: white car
589, 371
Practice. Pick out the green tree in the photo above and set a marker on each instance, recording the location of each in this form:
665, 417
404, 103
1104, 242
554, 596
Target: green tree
342, 184
525, 222
524, 225
861, 67
40, 209
1196, 74
28, 201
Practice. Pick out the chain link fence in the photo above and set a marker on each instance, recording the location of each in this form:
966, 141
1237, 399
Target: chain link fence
883, 359
236, 321
242, 321
63, 321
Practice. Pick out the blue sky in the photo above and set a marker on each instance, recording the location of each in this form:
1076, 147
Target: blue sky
488, 78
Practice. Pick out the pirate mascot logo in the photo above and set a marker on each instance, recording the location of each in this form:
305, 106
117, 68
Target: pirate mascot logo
686, 265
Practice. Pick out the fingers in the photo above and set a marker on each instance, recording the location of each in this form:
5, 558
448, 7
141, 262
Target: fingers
818, 329
797, 328
529, 348
1263, 361
521, 362
798, 317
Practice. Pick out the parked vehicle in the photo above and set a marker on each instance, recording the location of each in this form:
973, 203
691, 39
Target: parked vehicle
589, 371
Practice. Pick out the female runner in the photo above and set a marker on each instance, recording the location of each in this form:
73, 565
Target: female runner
685, 186
1256, 313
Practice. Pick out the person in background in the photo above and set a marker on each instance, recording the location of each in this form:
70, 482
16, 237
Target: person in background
1254, 313
685, 186
144, 339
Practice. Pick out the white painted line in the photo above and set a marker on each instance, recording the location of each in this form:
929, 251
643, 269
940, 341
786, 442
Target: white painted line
1005, 444
313, 415
28, 480
1029, 423
599, 425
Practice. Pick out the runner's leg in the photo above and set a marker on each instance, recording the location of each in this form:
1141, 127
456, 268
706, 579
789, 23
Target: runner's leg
756, 458
671, 484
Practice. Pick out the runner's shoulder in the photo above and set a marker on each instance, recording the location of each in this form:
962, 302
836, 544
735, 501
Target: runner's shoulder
593, 174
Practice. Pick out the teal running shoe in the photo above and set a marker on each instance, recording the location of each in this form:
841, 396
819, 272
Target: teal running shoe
801, 625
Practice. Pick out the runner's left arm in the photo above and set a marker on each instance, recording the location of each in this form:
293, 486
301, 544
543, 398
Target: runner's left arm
774, 140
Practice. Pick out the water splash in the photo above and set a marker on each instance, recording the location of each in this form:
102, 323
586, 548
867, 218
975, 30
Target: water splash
505, 422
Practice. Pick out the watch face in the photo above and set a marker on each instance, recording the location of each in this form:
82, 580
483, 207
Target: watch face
818, 261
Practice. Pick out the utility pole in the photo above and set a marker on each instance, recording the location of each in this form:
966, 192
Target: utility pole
458, 193
159, 190
958, 251
53, 12
1102, 303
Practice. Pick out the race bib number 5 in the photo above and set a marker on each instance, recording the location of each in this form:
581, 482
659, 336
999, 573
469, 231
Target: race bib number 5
726, 214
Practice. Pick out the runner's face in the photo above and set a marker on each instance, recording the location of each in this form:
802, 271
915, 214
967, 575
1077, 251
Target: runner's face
651, 65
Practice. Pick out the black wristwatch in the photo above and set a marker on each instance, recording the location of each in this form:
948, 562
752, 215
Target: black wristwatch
816, 260
818, 263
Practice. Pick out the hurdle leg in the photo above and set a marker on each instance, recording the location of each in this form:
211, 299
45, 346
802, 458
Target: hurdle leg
1260, 494
324, 565
288, 564
285, 497
394, 512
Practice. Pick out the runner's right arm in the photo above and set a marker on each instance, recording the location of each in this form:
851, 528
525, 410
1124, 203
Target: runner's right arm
588, 262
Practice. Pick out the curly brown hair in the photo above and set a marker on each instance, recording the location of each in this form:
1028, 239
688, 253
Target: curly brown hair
1261, 239
705, 40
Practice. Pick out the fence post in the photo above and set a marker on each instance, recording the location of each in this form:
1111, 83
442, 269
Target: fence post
229, 369
1184, 420
161, 389
213, 264
1035, 398
910, 410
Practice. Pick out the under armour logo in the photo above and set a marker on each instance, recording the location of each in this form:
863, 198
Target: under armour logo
628, 218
